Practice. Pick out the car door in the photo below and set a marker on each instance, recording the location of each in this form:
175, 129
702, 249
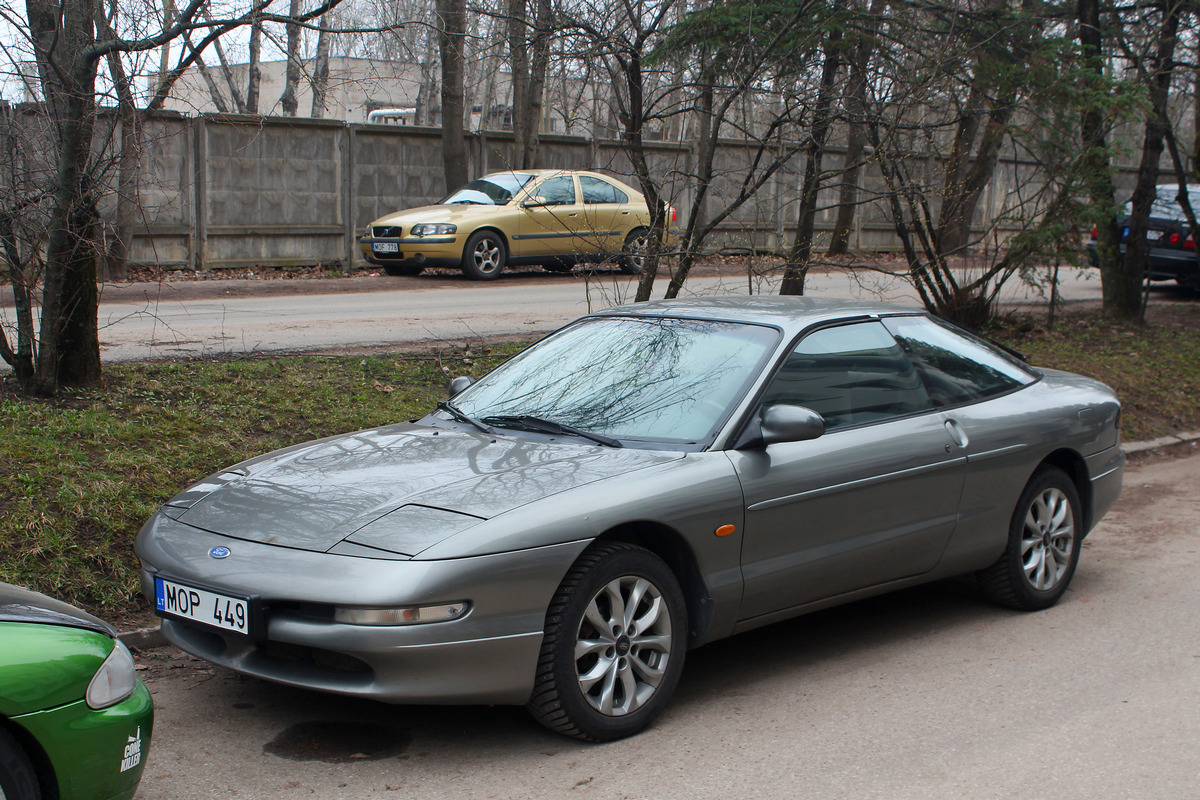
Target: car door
551, 219
974, 385
606, 216
874, 499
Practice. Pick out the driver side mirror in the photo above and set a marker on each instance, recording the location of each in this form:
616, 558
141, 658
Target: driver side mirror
535, 202
460, 383
784, 423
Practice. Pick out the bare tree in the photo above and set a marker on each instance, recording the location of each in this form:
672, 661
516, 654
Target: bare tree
452, 32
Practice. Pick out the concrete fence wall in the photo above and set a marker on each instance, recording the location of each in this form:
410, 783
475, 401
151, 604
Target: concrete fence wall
228, 191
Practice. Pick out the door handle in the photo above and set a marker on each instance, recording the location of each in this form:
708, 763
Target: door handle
957, 433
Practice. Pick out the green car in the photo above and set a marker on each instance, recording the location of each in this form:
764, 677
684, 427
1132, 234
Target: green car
75, 721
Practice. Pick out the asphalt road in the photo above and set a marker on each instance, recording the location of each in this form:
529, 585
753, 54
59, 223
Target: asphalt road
928, 693
151, 321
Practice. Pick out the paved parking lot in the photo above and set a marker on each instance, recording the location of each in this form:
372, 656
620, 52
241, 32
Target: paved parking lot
928, 693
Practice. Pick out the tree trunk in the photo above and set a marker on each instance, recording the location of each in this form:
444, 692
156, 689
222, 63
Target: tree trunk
452, 41
69, 336
538, 63
1126, 297
288, 102
1098, 172
518, 57
320, 77
856, 135
796, 268
253, 70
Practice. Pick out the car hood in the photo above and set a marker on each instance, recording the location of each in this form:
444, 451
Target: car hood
437, 213
400, 489
24, 605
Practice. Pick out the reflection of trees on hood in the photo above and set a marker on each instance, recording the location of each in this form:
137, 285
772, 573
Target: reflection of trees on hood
627, 375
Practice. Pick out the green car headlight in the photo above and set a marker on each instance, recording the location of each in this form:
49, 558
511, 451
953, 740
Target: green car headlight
433, 229
115, 680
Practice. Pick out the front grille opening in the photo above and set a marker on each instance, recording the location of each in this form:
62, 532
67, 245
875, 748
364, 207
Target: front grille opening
315, 655
387, 232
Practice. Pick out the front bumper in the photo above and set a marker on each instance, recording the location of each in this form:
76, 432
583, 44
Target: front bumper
415, 251
488, 656
99, 755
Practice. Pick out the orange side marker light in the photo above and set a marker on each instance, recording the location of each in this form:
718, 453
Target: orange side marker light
725, 530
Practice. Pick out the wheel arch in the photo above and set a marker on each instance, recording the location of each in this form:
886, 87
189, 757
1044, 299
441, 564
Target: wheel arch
491, 229
669, 545
1076, 469
42, 766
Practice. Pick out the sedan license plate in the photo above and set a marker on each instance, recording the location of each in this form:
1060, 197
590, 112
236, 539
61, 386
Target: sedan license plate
200, 605
385, 247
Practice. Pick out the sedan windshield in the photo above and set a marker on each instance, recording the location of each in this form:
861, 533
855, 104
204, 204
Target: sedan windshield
629, 378
494, 190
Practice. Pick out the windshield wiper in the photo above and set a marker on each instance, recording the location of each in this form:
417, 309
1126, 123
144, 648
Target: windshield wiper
454, 411
550, 426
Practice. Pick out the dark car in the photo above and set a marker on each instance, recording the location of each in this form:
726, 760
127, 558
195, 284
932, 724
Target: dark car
1172, 245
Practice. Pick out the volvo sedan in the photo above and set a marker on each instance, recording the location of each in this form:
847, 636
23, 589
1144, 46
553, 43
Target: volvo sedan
548, 217
645, 480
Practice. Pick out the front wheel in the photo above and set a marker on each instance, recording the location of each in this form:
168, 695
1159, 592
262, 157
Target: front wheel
633, 254
484, 256
1043, 545
18, 781
616, 634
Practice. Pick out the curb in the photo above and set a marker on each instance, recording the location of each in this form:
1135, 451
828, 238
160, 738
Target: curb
148, 638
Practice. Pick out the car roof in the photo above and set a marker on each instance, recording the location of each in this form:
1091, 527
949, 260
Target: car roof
791, 313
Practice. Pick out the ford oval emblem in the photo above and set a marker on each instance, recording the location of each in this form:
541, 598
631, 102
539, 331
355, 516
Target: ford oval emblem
219, 552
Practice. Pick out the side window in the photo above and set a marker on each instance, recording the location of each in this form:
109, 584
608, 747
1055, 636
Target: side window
598, 191
956, 367
558, 191
850, 375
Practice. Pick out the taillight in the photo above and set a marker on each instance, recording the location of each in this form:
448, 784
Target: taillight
674, 214
1174, 238
1095, 234
1189, 243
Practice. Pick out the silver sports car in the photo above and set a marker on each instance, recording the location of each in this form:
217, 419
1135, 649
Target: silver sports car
645, 480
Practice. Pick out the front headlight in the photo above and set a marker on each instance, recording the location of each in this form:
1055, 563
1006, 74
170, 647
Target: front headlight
402, 615
433, 229
115, 680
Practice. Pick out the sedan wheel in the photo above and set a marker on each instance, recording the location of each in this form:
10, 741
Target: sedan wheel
1043, 545
633, 254
616, 633
484, 256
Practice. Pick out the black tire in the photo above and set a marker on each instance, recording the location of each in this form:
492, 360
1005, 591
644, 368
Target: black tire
650, 660
484, 256
402, 270
633, 254
1044, 538
18, 780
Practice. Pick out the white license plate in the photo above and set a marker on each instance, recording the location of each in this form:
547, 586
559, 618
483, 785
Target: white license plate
199, 605
385, 247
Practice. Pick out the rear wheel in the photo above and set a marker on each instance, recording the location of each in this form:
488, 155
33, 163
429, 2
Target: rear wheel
18, 781
1043, 545
616, 634
484, 256
633, 254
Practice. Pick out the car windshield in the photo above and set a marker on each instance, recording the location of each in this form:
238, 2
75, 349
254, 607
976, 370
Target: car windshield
1166, 203
654, 380
494, 190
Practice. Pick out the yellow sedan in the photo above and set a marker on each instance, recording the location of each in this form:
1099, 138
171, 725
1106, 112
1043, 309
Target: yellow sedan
554, 218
